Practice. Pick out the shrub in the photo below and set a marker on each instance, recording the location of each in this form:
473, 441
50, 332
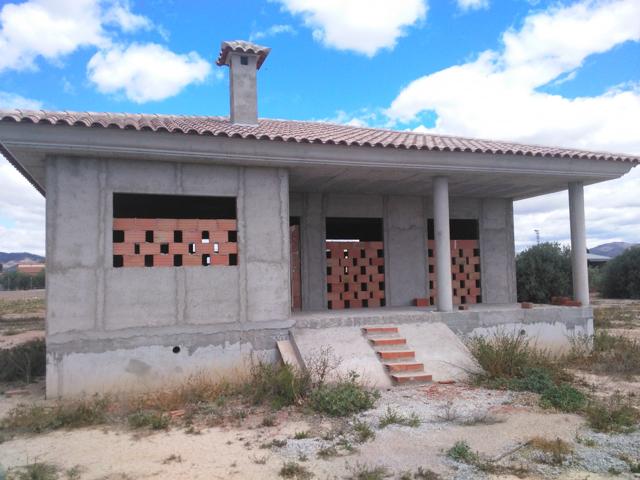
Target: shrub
606, 353
364, 472
37, 418
563, 397
621, 276
363, 431
38, 471
295, 470
543, 271
23, 362
343, 398
557, 449
392, 417
461, 452
281, 385
505, 356
153, 420
615, 414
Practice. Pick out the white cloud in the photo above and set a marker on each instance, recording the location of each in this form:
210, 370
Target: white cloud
273, 30
145, 72
472, 4
12, 100
22, 211
497, 96
364, 26
120, 14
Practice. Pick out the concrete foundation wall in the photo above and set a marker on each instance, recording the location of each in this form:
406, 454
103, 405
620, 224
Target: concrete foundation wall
116, 316
405, 237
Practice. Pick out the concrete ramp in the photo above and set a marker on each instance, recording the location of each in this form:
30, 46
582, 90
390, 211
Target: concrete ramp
435, 345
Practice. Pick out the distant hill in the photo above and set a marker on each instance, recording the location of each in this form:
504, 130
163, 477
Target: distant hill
9, 261
612, 249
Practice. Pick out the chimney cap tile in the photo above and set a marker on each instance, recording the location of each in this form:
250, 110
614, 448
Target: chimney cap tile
242, 46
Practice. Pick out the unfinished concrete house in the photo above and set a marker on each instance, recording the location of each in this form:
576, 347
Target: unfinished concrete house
180, 244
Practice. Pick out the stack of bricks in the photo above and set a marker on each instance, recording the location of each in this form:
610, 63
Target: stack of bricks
565, 302
355, 274
164, 242
465, 272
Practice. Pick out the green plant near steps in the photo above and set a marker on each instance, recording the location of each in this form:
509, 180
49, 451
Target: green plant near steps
281, 385
393, 417
343, 398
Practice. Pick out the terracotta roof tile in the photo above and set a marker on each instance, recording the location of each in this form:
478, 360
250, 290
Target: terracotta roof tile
300, 132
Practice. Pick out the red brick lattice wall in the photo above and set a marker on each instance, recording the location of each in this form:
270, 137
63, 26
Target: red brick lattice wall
355, 274
465, 271
296, 280
140, 242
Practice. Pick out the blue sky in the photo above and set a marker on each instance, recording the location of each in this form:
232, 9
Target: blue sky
564, 73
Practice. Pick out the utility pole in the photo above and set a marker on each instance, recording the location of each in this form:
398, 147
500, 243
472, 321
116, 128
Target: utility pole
537, 236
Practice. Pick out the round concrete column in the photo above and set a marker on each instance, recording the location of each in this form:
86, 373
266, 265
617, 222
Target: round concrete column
578, 243
444, 297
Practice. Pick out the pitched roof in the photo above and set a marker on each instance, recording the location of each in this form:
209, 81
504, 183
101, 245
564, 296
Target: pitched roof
300, 132
242, 46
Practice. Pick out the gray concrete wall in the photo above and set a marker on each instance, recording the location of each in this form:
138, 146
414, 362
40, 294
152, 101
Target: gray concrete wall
497, 252
95, 310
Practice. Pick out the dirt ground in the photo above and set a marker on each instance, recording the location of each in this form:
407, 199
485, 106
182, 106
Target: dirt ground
496, 424
22, 315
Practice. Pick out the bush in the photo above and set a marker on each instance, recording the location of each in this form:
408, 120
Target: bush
606, 353
621, 276
461, 452
38, 419
281, 385
563, 397
153, 420
543, 271
23, 362
21, 281
343, 398
616, 414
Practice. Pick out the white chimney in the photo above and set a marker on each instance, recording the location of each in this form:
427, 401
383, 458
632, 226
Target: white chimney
244, 60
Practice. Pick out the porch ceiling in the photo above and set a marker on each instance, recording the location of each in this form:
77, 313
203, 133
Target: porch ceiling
416, 182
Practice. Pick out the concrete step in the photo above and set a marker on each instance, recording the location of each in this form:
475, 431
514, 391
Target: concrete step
377, 342
380, 330
403, 378
393, 354
406, 366
383, 348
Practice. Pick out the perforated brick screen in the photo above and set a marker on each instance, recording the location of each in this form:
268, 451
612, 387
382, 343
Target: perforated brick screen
465, 272
355, 274
165, 242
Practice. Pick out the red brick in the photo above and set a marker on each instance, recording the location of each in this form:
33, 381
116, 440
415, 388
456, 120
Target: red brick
123, 249
133, 261
421, 302
134, 236
146, 223
149, 248
191, 260
167, 224
124, 223
368, 330
227, 248
187, 224
227, 225
208, 225
526, 305
163, 260
390, 354
178, 248
220, 260
163, 236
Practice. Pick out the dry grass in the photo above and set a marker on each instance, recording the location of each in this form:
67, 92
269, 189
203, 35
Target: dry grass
606, 353
21, 306
556, 450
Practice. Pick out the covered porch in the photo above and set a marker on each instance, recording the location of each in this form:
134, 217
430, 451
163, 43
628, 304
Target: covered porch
417, 236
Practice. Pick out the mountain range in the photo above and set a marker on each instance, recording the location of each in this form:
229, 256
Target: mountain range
612, 249
9, 261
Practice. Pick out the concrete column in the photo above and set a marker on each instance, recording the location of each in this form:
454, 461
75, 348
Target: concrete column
578, 243
444, 299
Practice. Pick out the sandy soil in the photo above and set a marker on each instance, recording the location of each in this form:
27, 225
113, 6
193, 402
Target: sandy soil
234, 452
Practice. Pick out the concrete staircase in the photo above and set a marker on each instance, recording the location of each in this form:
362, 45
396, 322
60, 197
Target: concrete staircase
398, 359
